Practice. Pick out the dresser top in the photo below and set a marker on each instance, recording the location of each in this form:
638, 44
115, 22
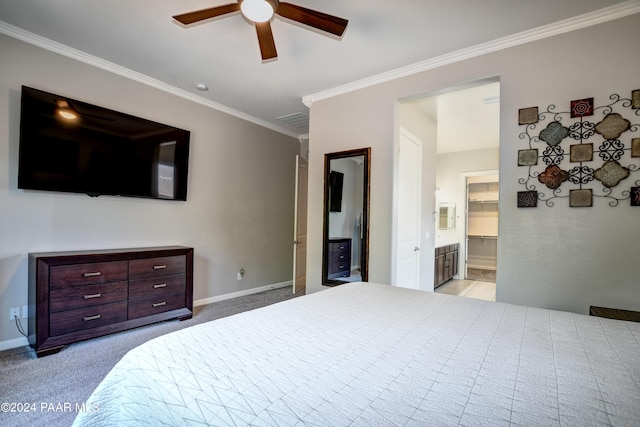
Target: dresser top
116, 252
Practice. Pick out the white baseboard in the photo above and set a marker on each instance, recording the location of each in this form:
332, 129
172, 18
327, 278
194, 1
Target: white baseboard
14, 343
224, 297
19, 342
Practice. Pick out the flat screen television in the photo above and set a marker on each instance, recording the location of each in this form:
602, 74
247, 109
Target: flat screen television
335, 191
71, 146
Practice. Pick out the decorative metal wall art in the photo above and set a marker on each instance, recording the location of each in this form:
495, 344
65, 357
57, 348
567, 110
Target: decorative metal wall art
584, 153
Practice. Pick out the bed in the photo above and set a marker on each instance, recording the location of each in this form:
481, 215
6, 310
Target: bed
364, 354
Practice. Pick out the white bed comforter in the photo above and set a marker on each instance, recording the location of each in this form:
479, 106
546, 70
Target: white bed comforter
365, 354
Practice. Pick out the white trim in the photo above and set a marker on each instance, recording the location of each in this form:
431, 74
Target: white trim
567, 25
78, 55
14, 343
620, 10
224, 297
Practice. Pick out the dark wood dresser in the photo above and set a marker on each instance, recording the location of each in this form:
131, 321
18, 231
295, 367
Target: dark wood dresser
615, 313
339, 258
79, 295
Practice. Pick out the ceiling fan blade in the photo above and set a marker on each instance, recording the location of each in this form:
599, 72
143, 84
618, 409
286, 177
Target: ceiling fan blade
321, 21
265, 38
201, 15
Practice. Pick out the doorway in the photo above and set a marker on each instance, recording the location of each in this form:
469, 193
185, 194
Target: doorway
467, 155
482, 227
300, 226
460, 131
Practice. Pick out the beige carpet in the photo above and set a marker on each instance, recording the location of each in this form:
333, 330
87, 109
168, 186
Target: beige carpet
50, 387
481, 275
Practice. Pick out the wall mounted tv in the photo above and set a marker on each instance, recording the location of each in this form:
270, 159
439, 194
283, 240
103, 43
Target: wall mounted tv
71, 146
336, 180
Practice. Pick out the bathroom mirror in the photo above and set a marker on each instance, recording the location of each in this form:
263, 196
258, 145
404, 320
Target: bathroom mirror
446, 216
345, 251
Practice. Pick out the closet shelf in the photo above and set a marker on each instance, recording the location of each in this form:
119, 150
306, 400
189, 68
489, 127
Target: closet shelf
482, 201
482, 223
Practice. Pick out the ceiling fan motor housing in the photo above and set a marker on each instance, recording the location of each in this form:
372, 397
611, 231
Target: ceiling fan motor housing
258, 10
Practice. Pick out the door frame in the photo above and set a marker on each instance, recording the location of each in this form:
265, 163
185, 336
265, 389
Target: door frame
462, 236
295, 286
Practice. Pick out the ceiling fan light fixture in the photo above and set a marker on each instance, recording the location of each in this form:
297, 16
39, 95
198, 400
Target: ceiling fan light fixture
258, 10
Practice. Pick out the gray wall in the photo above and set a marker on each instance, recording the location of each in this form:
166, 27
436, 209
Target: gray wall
559, 258
239, 211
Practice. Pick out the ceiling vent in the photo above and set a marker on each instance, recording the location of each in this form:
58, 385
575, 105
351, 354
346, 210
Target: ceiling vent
298, 121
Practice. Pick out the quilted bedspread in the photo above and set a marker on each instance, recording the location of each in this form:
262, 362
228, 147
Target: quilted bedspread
365, 354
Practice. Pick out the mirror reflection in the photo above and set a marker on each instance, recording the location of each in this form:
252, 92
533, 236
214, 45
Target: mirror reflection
345, 249
446, 216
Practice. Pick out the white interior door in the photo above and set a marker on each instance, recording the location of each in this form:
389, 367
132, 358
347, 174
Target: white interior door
300, 227
408, 230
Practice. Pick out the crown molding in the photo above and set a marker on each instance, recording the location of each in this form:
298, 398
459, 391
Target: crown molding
607, 14
78, 55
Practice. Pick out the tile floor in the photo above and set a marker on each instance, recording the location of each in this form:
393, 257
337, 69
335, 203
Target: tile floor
469, 288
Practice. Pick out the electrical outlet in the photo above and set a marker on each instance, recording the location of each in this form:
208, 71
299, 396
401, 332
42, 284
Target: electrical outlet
14, 312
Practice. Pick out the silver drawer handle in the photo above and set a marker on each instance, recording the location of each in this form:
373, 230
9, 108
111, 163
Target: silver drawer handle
341, 266
341, 256
159, 267
341, 247
159, 304
87, 318
94, 274
160, 285
92, 296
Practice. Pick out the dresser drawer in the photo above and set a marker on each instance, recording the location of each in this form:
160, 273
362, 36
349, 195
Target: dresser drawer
73, 297
340, 256
155, 304
84, 274
161, 266
340, 266
337, 248
65, 322
157, 286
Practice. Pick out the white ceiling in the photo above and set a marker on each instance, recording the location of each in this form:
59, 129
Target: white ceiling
467, 118
139, 37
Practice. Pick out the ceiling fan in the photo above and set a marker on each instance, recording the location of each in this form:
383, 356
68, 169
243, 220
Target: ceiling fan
260, 12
